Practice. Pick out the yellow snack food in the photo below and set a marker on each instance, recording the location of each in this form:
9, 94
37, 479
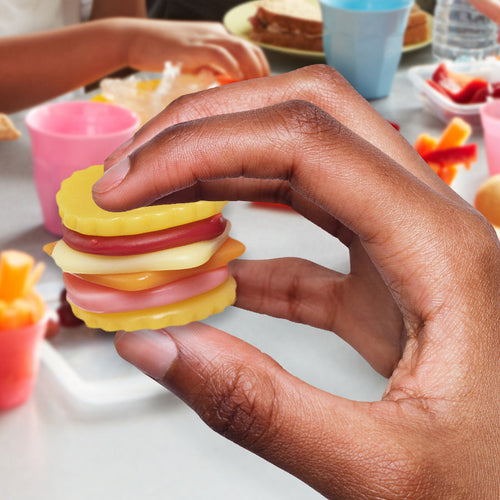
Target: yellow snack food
124, 265
80, 213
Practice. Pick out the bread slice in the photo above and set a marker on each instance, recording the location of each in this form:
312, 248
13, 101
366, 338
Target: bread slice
417, 30
288, 23
8, 131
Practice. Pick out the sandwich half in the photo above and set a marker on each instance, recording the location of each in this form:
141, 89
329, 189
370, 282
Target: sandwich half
293, 24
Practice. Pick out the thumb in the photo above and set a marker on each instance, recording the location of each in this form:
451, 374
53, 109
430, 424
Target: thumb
245, 396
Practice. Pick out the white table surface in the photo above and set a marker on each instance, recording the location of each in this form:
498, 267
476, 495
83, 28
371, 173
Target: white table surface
95, 428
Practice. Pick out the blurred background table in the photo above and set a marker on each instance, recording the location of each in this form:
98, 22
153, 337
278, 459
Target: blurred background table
97, 440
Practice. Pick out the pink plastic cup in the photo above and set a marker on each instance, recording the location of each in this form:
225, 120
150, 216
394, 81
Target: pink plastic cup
19, 362
70, 136
490, 120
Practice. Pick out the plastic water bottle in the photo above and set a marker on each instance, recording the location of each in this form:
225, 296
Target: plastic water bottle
462, 33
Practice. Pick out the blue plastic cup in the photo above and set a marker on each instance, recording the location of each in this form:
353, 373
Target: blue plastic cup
363, 40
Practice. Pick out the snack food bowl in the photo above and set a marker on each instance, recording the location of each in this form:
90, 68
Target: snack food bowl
440, 105
69, 136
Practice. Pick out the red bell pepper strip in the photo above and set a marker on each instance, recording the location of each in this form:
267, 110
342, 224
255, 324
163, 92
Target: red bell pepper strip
395, 125
480, 96
465, 154
475, 91
448, 174
442, 78
268, 204
460, 88
495, 90
437, 87
440, 74
225, 79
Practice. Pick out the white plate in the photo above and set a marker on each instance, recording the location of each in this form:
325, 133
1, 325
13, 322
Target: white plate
237, 22
425, 43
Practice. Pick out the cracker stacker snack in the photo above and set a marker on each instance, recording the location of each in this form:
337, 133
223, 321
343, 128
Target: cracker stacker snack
150, 267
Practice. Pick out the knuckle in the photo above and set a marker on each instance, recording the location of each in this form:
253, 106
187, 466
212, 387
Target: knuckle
240, 407
478, 239
191, 106
465, 236
180, 105
410, 475
322, 79
310, 121
295, 299
322, 72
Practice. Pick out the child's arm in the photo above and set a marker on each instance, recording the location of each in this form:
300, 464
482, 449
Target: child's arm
38, 67
41, 66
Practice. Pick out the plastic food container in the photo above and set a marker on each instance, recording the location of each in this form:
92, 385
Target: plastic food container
440, 105
88, 371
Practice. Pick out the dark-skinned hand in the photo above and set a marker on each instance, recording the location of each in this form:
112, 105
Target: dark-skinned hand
421, 301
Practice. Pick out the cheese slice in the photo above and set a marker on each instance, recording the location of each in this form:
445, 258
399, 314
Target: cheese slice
230, 250
184, 257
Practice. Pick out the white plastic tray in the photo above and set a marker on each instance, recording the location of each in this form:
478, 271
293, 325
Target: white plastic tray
87, 367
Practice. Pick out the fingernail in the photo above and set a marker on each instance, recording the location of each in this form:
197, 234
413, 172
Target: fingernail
113, 176
151, 351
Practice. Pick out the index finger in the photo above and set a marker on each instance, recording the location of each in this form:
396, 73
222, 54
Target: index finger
320, 85
337, 170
